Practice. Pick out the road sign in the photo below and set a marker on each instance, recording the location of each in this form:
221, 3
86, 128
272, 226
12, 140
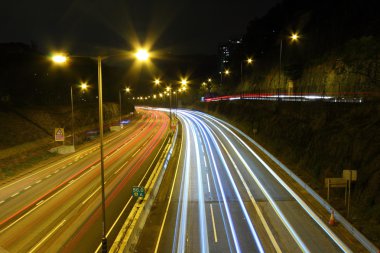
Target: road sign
351, 175
138, 191
59, 134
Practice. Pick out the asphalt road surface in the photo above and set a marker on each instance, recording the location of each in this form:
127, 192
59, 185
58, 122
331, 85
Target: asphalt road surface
224, 198
58, 207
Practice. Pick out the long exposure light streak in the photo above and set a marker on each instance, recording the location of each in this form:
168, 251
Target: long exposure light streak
339, 242
201, 201
179, 245
275, 207
205, 129
254, 203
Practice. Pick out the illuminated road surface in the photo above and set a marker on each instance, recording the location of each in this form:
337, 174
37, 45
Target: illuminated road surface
224, 198
57, 208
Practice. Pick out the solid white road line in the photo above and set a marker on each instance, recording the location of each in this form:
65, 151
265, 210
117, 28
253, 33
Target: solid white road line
213, 224
208, 183
47, 237
14, 195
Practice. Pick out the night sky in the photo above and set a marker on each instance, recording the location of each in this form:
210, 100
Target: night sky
88, 26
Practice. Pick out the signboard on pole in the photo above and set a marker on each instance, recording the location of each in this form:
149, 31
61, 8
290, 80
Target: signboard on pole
138, 191
59, 134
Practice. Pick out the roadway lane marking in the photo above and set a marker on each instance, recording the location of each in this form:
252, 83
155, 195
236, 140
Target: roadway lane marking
1, 202
39, 203
14, 195
170, 199
47, 237
204, 158
72, 181
48, 176
213, 224
91, 195
39, 181
208, 183
117, 171
136, 152
254, 203
56, 171
26, 188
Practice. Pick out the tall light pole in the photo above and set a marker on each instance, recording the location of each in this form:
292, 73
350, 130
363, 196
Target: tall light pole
226, 72
127, 90
249, 61
141, 55
169, 90
83, 87
294, 37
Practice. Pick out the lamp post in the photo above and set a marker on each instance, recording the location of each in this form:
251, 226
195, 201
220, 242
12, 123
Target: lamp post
141, 55
294, 38
169, 90
83, 87
249, 61
226, 72
127, 90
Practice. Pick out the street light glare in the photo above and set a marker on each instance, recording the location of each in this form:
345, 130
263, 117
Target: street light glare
83, 86
294, 37
127, 90
142, 55
249, 60
184, 82
157, 81
59, 58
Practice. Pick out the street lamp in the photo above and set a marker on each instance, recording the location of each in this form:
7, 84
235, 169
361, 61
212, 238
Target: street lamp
294, 37
249, 61
226, 72
127, 90
83, 86
169, 92
141, 55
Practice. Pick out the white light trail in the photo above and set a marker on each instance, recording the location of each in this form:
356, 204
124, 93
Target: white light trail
308, 210
237, 193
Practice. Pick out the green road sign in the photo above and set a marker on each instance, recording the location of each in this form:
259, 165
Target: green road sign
138, 191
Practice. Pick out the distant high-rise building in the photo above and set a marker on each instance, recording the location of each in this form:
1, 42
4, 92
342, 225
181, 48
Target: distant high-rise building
225, 52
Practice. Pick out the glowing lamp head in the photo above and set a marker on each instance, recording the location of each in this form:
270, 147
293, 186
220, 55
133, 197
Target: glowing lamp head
59, 58
83, 86
142, 55
294, 37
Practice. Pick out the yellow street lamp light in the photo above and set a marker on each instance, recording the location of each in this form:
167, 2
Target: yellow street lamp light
209, 80
157, 81
227, 72
184, 82
59, 58
294, 36
83, 86
142, 55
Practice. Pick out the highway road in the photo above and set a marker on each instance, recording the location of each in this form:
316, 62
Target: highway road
57, 207
225, 198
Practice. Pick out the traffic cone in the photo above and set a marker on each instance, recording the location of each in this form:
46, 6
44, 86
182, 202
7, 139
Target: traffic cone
332, 219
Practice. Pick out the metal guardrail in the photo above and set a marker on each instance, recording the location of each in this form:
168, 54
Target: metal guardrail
130, 232
356, 233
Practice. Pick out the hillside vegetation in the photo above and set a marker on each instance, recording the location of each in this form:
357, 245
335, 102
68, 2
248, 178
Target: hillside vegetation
27, 133
318, 140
